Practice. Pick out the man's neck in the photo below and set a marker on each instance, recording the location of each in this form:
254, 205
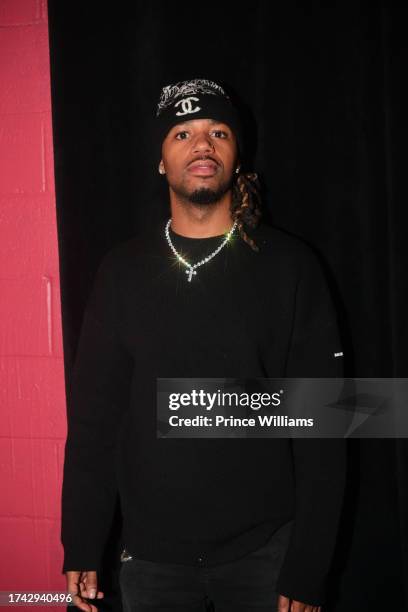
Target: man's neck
201, 222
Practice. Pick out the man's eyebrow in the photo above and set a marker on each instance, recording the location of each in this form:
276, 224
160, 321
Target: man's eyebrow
212, 122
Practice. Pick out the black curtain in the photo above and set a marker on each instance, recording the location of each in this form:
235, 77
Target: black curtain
323, 88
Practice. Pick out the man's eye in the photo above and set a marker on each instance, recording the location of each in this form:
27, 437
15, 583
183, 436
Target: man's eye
219, 133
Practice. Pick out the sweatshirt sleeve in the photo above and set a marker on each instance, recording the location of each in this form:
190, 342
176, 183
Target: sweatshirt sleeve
97, 397
319, 463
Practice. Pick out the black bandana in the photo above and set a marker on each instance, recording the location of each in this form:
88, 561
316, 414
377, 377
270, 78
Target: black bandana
195, 99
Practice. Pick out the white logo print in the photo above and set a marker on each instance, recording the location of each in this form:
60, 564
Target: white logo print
187, 88
187, 106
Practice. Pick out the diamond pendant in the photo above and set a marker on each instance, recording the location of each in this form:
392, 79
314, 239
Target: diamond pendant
190, 273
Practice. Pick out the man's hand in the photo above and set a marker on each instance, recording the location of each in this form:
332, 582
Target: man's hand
83, 585
291, 605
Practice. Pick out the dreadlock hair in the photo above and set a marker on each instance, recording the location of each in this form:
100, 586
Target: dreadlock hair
246, 204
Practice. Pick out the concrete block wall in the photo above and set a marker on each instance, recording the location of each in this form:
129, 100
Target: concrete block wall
32, 390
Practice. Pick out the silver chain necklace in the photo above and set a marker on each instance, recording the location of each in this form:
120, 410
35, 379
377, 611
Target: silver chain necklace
191, 268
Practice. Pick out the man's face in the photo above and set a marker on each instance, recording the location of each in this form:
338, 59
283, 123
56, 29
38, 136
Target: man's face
199, 158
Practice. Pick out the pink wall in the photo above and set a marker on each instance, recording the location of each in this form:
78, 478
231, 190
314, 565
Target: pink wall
32, 396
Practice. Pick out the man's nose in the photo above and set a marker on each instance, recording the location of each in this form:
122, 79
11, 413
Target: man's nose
203, 143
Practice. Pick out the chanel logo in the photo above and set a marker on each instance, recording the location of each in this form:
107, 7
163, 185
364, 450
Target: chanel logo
187, 106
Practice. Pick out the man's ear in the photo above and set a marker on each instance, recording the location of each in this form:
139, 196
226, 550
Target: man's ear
161, 168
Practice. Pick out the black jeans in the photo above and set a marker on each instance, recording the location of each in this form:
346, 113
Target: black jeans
245, 585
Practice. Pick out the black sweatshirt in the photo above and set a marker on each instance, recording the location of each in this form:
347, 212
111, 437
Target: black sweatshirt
201, 501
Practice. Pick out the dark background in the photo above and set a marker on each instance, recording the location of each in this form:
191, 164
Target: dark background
323, 87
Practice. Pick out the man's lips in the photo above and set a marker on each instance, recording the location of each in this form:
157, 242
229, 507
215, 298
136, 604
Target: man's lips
203, 168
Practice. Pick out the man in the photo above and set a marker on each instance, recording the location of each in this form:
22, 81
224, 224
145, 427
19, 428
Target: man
239, 524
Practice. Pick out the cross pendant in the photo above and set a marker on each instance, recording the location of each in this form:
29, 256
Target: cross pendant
190, 273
